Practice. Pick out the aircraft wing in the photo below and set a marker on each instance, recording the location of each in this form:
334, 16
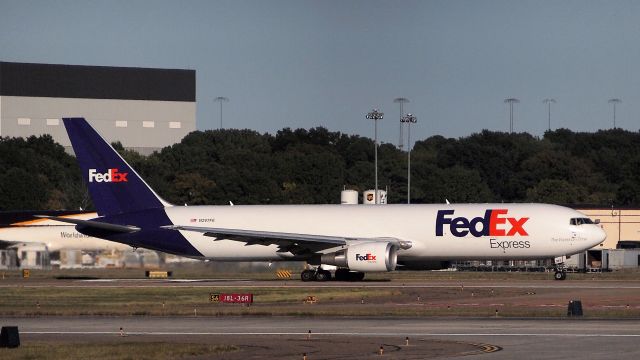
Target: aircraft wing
288, 242
91, 224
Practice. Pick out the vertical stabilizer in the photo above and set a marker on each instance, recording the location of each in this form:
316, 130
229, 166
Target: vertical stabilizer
114, 186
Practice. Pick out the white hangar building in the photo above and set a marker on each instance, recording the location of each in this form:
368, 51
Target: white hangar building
145, 109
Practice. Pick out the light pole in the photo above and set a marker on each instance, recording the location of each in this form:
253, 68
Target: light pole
511, 101
614, 101
375, 115
221, 99
401, 101
549, 101
409, 119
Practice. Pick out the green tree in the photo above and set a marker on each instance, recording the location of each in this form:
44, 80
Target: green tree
554, 191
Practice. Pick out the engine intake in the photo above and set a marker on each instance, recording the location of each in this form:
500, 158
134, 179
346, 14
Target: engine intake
371, 256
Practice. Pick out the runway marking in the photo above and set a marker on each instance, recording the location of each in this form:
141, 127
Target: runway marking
488, 348
484, 348
165, 333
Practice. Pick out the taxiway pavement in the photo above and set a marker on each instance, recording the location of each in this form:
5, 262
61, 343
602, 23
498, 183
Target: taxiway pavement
519, 338
248, 283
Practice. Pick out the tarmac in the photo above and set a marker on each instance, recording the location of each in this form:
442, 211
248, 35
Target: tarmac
249, 283
276, 337
271, 337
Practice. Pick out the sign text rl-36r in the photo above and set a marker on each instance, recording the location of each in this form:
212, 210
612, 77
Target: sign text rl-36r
232, 298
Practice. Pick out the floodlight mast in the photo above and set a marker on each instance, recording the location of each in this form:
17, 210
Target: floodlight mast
409, 119
614, 101
549, 101
401, 101
375, 115
221, 99
511, 101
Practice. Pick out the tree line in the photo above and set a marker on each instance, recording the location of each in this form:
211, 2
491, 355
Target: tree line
312, 167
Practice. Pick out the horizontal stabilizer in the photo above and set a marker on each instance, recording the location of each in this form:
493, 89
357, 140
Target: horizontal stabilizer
94, 224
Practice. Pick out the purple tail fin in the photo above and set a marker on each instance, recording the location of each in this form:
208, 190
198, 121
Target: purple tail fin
114, 186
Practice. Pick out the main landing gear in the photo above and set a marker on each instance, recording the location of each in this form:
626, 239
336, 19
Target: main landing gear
315, 275
320, 274
346, 275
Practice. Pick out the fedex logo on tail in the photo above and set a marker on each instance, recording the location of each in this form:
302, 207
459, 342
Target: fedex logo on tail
112, 175
494, 223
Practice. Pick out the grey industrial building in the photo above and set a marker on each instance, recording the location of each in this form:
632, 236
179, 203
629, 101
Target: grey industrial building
145, 109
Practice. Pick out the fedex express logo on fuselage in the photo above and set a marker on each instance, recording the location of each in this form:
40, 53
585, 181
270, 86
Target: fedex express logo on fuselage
495, 222
112, 175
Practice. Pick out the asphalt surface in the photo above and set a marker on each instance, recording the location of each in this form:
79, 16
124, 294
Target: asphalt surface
521, 338
284, 337
248, 283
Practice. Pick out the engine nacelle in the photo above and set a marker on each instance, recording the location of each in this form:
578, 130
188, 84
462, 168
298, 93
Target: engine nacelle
371, 256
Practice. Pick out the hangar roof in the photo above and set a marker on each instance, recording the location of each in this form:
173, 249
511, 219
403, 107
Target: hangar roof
96, 82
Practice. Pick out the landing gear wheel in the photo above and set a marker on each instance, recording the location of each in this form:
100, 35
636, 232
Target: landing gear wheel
356, 276
560, 275
346, 275
308, 275
342, 275
323, 275
560, 269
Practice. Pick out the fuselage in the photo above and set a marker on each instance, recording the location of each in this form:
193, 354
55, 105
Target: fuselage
436, 232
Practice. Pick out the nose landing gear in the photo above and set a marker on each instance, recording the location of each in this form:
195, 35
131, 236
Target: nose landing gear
560, 270
560, 274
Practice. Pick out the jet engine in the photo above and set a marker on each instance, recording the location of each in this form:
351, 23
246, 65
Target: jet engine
370, 256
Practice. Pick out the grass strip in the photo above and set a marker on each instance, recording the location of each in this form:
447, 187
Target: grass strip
115, 350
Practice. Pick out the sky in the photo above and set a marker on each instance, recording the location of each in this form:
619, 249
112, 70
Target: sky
302, 64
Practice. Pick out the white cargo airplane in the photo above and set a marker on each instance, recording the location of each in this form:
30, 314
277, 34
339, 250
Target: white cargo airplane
18, 228
356, 239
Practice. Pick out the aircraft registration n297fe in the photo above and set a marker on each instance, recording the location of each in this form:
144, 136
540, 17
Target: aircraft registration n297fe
355, 238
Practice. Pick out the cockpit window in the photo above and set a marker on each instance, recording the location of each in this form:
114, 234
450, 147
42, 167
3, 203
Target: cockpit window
581, 221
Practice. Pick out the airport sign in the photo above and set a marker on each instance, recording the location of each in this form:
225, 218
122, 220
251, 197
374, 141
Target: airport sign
231, 298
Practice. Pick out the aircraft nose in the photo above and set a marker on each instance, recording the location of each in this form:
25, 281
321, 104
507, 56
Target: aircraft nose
597, 235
